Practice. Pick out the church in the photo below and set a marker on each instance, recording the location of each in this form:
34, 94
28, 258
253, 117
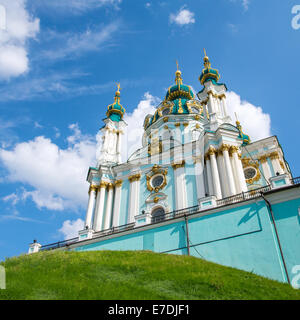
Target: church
198, 185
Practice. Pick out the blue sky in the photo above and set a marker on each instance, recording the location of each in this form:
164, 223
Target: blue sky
59, 64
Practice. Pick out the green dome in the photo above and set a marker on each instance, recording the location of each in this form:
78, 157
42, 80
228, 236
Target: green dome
208, 73
115, 110
179, 90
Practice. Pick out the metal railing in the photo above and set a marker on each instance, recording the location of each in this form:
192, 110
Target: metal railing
59, 244
244, 196
295, 180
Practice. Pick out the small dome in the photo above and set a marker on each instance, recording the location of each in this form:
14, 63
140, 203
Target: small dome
115, 110
179, 90
208, 73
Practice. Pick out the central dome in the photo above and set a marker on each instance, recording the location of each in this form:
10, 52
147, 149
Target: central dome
179, 90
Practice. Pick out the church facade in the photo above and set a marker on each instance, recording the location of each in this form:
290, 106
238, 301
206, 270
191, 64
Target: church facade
198, 185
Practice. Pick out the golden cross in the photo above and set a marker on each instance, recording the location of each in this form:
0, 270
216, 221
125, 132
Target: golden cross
204, 52
177, 65
118, 85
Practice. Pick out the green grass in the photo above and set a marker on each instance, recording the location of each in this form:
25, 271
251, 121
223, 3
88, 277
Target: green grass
132, 275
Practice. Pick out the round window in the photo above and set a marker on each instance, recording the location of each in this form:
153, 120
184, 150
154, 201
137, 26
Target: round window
157, 181
250, 173
165, 111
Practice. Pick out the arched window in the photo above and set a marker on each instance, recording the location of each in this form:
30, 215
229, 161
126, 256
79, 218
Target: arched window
158, 214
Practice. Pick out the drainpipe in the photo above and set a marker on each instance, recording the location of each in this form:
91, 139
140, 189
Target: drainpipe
277, 236
187, 234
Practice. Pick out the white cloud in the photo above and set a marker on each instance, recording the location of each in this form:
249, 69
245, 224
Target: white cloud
70, 228
245, 4
183, 17
19, 28
57, 176
254, 121
135, 121
71, 45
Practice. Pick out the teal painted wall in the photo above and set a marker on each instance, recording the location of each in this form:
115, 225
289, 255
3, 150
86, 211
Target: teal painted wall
288, 226
241, 237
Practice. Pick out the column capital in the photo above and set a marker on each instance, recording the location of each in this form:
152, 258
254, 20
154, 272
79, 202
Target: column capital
118, 183
233, 149
110, 185
211, 151
93, 187
263, 159
274, 155
225, 147
134, 177
103, 184
177, 165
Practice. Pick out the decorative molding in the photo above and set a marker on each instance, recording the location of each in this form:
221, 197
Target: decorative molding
165, 119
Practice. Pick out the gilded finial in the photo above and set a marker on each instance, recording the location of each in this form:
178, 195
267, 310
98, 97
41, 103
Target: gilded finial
178, 78
206, 60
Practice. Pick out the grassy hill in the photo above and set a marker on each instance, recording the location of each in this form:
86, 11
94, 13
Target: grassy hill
132, 275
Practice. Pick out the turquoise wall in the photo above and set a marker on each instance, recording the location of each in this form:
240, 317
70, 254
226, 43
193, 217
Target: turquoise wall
241, 237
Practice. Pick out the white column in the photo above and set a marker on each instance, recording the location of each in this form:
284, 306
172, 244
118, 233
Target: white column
215, 174
105, 144
199, 171
231, 185
275, 163
100, 206
210, 104
238, 187
224, 107
117, 203
223, 175
240, 170
134, 200
108, 211
209, 176
180, 185
91, 206
178, 132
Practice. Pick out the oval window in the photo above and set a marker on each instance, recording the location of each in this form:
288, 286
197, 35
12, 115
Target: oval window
157, 181
250, 173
